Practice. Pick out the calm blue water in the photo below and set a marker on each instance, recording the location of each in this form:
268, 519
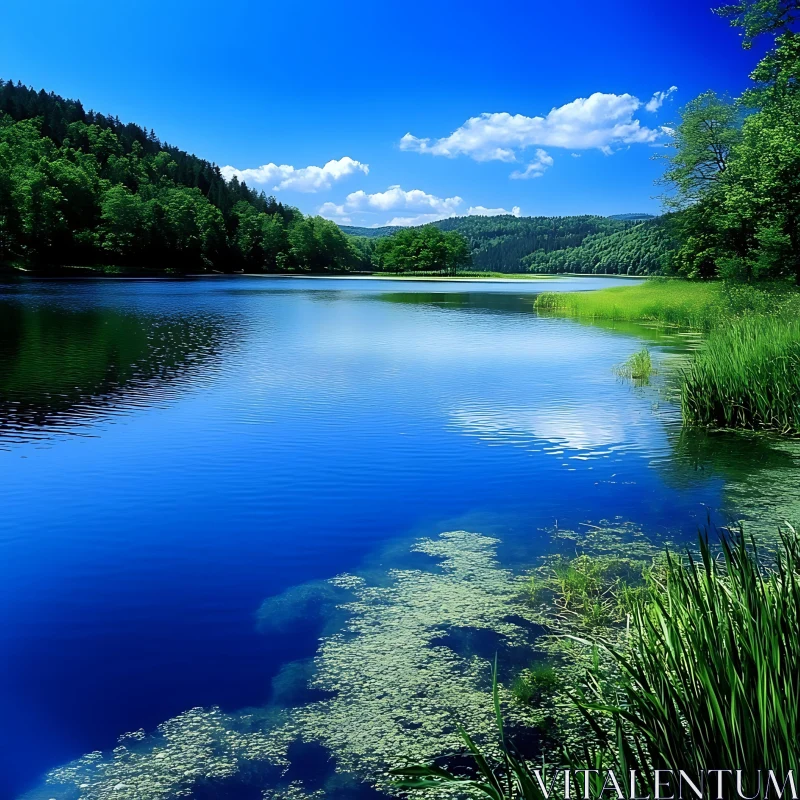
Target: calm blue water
172, 453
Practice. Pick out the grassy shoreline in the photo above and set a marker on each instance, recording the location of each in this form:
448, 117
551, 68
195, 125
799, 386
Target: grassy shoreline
747, 373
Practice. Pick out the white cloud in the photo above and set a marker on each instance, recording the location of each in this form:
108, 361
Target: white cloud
303, 179
482, 211
397, 198
575, 155
657, 100
536, 168
429, 207
419, 219
598, 121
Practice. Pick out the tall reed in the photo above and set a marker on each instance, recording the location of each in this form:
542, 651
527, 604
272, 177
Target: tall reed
746, 376
711, 676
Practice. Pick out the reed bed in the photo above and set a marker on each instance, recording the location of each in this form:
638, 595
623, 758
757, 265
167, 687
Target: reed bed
746, 376
710, 676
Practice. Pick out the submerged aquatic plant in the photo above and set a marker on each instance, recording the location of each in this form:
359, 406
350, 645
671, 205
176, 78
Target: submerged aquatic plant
589, 590
506, 776
390, 678
707, 676
535, 682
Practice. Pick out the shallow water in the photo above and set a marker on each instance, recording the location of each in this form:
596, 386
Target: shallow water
173, 453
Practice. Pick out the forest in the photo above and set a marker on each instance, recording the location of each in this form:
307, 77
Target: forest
81, 188
623, 244
644, 248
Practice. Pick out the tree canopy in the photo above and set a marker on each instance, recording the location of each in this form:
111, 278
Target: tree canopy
78, 187
736, 165
425, 249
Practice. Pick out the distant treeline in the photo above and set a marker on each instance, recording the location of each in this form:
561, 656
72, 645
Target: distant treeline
624, 244
641, 249
77, 187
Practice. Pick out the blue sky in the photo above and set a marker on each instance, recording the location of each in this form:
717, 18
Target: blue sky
297, 85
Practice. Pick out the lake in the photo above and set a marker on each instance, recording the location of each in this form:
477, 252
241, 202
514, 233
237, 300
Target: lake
175, 453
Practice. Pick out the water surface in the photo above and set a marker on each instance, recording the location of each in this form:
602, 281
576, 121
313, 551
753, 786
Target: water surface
174, 452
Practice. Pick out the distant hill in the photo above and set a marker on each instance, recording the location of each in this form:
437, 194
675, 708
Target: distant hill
632, 217
370, 233
521, 244
641, 248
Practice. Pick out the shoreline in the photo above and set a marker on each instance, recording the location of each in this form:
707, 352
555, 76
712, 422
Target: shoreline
512, 278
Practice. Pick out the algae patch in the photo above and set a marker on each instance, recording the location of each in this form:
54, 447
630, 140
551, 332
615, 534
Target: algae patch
393, 688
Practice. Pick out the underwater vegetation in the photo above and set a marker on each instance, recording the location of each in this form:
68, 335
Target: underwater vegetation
391, 677
404, 677
707, 675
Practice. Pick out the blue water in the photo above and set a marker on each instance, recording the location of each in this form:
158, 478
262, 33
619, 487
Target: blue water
172, 453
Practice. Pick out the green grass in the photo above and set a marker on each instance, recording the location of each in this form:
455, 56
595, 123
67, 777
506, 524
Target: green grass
690, 304
639, 367
669, 302
747, 376
711, 672
534, 683
590, 591
707, 675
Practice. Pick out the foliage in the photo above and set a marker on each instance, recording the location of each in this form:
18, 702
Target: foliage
710, 674
501, 243
746, 376
736, 165
422, 249
640, 249
80, 188
507, 244
639, 367
760, 16
709, 130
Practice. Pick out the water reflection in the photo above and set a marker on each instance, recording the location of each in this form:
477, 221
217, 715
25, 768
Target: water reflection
62, 369
759, 474
464, 301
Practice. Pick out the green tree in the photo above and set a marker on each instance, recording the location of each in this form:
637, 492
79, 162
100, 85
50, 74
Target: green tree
756, 17
709, 128
425, 249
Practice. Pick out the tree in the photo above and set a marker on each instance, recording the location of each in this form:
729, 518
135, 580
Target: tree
736, 169
757, 17
425, 249
710, 127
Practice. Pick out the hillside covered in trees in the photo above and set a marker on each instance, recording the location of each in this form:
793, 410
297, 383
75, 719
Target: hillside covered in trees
629, 244
641, 249
81, 188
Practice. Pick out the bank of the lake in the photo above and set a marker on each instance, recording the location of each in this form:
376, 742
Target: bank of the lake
747, 374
